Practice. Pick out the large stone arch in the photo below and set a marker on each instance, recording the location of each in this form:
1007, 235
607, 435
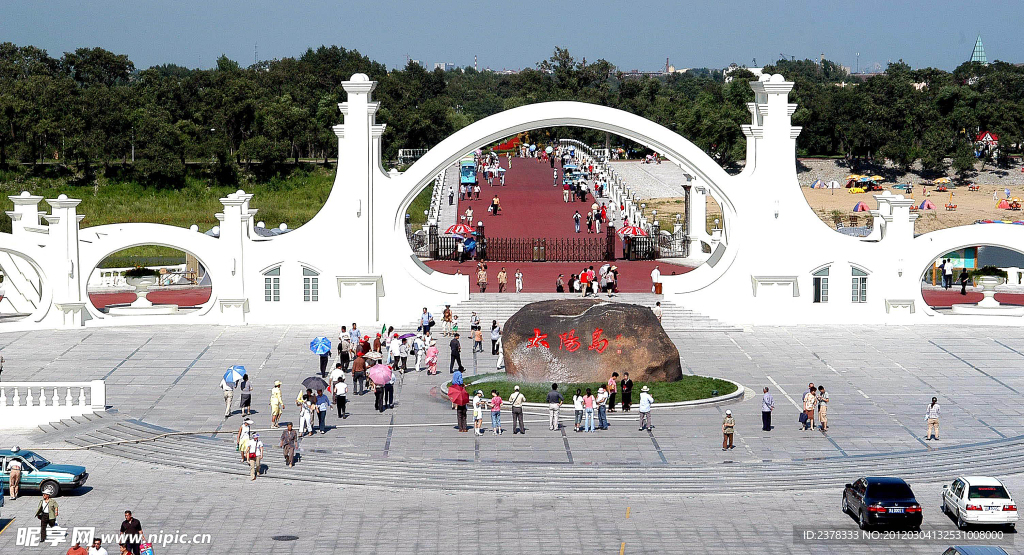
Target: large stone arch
569, 114
99, 242
34, 256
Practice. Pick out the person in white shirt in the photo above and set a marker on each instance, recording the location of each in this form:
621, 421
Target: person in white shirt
341, 396
655, 278
602, 408
419, 347
96, 548
255, 456
229, 395
657, 311
646, 400
394, 352
478, 412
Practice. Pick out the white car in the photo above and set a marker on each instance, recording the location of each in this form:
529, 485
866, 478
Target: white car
979, 500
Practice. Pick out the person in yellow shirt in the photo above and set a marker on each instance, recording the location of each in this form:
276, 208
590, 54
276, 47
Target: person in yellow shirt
276, 404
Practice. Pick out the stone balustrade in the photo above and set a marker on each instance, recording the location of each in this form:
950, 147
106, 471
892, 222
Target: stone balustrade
29, 404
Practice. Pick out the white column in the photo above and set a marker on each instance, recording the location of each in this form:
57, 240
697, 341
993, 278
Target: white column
66, 279
235, 224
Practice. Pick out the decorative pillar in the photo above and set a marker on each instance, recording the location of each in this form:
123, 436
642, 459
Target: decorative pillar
235, 226
66, 280
26, 212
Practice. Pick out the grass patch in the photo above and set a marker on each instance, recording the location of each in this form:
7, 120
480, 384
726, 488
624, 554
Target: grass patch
689, 388
419, 204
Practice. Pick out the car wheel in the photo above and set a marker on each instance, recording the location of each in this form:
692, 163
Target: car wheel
960, 522
945, 509
50, 488
862, 521
846, 506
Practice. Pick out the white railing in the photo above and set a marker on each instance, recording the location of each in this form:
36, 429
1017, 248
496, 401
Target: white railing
407, 155
615, 187
29, 404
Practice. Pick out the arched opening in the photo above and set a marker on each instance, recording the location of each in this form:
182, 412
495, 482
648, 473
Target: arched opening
513, 204
149, 280
21, 287
975, 276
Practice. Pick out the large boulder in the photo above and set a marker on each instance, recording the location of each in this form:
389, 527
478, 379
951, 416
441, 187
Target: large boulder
585, 340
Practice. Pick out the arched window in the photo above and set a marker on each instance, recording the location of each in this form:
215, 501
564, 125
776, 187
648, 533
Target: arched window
860, 285
272, 285
310, 285
821, 285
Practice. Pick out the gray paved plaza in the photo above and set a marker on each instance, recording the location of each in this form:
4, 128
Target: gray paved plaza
406, 482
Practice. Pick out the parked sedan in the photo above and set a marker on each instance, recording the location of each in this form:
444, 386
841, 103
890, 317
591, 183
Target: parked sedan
39, 473
877, 501
979, 500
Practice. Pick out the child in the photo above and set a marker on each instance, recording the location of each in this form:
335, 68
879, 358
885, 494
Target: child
478, 341
496, 412
455, 324
478, 412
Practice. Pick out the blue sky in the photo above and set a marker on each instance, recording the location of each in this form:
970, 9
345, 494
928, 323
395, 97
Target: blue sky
631, 35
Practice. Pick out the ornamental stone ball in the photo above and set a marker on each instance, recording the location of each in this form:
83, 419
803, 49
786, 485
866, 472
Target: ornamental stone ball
585, 340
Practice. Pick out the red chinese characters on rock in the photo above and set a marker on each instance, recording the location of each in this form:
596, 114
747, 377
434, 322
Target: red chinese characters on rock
569, 341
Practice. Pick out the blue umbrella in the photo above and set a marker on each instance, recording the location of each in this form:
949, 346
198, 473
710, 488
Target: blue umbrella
234, 374
320, 346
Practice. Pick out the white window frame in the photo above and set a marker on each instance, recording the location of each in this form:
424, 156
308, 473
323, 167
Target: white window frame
272, 285
820, 283
310, 285
859, 286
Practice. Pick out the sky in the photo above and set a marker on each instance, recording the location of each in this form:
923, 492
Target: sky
514, 35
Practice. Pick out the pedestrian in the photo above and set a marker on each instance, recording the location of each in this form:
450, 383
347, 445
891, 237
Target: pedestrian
657, 311
612, 390
655, 278
577, 410
554, 176
325, 359
389, 392
554, 405
456, 357
495, 336
519, 281
446, 320
474, 322
323, 405
432, 354
131, 534
76, 549
276, 404
810, 399
496, 403
478, 412
494, 205
403, 354
931, 415
565, 192
229, 393
246, 388
822, 408
14, 472
289, 442
728, 429
476, 191
306, 409
560, 284
646, 400
451, 196
602, 408
626, 385
589, 405
242, 437
964, 279
461, 409
478, 340
460, 249
359, 375
576, 220
255, 456
419, 348
481, 278
46, 512
341, 396
516, 400
767, 406
97, 547
426, 321
378, 395
947, 274
502, 280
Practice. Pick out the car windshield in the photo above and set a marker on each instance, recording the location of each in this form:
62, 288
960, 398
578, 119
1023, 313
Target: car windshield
987, 492
890, 490
36, 461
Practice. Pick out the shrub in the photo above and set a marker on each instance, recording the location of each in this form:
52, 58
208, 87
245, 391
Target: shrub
139, 271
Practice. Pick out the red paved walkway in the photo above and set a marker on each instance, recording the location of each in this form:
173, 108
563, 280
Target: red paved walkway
946, 299
180, 297
532, 207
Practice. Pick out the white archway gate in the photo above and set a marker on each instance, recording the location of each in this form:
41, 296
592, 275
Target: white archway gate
352, 261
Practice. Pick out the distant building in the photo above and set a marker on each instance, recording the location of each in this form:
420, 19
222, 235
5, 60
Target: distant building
979, 52
444, 66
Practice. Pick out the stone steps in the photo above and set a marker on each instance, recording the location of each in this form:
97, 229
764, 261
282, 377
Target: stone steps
202, 453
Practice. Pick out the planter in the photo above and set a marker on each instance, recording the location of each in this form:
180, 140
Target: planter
988, 288
142, 285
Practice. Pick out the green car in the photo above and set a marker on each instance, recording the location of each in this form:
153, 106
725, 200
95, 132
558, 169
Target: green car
39, 473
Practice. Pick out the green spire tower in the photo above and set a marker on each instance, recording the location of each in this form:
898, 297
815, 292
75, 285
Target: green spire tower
979, 52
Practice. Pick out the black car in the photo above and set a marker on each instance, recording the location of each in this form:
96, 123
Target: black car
875, 501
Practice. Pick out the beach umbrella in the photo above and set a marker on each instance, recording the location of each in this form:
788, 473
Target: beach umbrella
631, 231
458, 394
459, 229
234, 374
854, 176
877, 178
380, 374
406, 335
549, 150
533, 148
315, 383
864, 179
320, 346
942, 180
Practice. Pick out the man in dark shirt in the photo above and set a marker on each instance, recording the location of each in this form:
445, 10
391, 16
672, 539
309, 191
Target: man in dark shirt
554, 406
131, 533
456, 355
626, 386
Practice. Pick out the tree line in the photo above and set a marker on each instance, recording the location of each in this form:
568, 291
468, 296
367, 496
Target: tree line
93, 111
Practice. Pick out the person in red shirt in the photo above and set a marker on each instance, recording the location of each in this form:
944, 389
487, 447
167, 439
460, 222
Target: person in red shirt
585, 283
77, 549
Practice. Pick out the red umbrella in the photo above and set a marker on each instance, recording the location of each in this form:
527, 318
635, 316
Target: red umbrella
380, 374
458, 394
459, 229
632, 231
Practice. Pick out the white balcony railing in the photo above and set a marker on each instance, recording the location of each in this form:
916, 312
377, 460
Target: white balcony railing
29, 404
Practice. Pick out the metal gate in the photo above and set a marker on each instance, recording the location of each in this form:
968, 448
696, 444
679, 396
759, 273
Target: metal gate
531, 249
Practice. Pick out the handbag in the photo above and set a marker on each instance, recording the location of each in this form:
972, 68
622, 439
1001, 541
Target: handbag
803, 418
431, 322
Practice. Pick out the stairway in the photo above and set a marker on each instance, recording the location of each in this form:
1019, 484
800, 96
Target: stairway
501, 306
